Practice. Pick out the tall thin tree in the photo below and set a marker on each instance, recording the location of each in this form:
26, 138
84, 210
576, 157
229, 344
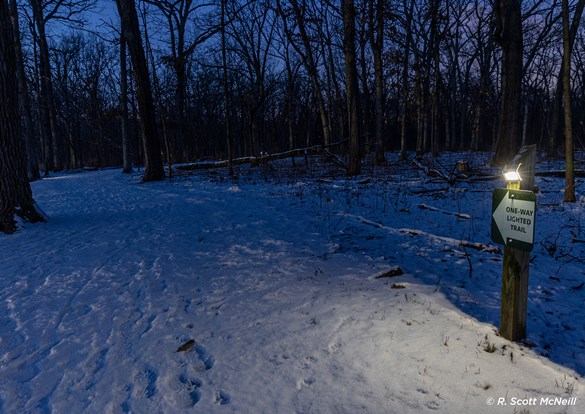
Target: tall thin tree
569, 161
307, 55
555, 112
404, 76
352, 90
53, 146
126, 155
15, 192
153, 161
226, 88
377, 44
26, 107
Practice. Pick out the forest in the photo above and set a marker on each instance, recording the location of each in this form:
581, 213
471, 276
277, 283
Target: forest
221, 79
292, 227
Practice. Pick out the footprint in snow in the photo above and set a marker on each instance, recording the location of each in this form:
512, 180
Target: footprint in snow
432, 405
305, 382
206, 360
335, 347
189, 393
222, 398
145, 383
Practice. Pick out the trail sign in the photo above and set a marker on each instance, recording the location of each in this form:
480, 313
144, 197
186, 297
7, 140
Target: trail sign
513, 216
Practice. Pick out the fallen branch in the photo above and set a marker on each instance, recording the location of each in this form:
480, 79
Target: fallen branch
448, 240
462, 243
433, 172
314, 150
459, 215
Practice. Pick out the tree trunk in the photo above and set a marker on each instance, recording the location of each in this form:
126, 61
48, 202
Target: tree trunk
405, 65
126, 155
15, 192
352, 90
377, 49
508, 35
153, 170
434, 53
180, 136
569, 161
554, 128
480, 112
419, 107
27, 122
48, 103
309, 62
365, 95
226, 89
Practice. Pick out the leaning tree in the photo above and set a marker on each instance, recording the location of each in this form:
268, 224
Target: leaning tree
15, 192
154, 167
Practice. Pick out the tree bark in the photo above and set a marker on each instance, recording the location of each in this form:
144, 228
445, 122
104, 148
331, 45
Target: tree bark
47, 98
569, 161
27, 122
153, 170
15, 192
124, 125
434, 53
508, 35
377, 48
308, 59
405, 66
226, 89
555, 114
352, 90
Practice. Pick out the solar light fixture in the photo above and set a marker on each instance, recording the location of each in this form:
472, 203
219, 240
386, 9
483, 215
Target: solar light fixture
511, 174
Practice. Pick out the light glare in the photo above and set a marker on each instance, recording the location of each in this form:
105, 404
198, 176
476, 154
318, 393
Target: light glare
512, 176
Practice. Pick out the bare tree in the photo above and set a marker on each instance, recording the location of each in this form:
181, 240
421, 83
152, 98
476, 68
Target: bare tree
26, 110
15, 192
253, 29
152, 152
226, 88
352, 90
508, 35
305, 49
569, 161
53, 147
377, 44
555, 112
67, 13
180, 16
124, 124
404, 75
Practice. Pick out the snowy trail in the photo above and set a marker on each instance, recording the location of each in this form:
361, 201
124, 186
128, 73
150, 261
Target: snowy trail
122, 277
95, 303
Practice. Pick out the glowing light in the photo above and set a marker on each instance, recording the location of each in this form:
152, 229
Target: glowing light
512, 175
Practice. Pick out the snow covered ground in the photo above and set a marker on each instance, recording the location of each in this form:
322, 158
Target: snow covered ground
283, 281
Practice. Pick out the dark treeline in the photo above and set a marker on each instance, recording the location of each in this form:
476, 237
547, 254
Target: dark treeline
235, 78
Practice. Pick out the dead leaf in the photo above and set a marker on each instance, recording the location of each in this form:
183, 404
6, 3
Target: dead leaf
186, 346
392, 272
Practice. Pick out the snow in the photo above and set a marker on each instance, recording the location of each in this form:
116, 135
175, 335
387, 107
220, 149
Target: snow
276, 279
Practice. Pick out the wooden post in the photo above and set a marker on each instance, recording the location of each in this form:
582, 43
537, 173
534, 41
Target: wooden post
516, 263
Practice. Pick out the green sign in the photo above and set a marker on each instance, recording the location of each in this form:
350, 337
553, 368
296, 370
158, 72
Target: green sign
513, 216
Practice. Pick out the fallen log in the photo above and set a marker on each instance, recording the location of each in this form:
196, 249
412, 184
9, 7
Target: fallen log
299, 152
451, 213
